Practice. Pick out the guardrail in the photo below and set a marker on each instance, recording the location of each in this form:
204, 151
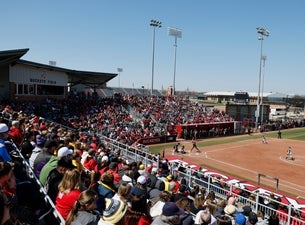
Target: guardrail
49, 203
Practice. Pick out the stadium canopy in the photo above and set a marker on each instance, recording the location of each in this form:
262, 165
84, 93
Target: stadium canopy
11, 56
74, 76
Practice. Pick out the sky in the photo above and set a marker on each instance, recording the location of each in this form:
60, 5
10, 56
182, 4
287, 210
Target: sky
219, 49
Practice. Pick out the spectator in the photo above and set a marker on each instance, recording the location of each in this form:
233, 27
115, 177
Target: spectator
170, 215
20, 210
140, 189
168, 181
4, 154
56, 175
7, 179
252, 218
282, 212
154, 193
68, 192
114, 213
26, 147
197, 204
260, 218
83, 210
211, 198
230, 211
138, 213
106, 189
180, 194
224, 220
134, 168
240, 219
273, 220
124, 167
141, 170
76, 161
4, 209
186, 218
44, 156
40, 140
102, 164
221, 204
127, 178
123, 193
152, 175
113, 168
90, 161
157, 206
52, 164
16, 133
246, 210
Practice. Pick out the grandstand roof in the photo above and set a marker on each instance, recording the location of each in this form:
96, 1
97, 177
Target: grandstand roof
10, 56
74, 76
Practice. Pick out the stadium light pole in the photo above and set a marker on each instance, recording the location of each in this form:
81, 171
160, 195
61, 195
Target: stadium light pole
119, 71
154, 24
177, 33
263, 32
264, 57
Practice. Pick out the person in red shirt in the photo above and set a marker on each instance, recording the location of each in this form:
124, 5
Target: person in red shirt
113, 168
90, 161
69, 192
16, 133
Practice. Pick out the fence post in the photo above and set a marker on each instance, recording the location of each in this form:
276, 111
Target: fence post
256, 201
209, 182
289, 213
189, 171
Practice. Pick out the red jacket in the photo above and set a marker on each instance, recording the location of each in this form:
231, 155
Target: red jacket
90, 163
16, 134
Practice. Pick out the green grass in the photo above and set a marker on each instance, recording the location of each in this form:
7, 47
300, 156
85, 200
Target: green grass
294, 134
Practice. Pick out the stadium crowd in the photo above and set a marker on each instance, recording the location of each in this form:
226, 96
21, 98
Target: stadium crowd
89, 182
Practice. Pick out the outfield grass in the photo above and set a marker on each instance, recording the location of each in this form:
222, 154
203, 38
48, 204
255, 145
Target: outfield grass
295, 134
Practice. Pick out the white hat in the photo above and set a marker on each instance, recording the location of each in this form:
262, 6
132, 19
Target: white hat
154, 170
105, 158
15, 123
230, 209
3, 128
141, 180
64, 151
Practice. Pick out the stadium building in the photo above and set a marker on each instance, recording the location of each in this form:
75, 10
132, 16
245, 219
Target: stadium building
26, 80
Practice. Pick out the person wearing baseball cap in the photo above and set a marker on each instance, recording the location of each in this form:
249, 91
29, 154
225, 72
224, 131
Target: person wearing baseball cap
170, 215
4, 155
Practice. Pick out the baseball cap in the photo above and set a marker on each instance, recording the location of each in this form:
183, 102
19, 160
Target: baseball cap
3, 128
64, 151
171, 209
252, 218
141, 180
240, 219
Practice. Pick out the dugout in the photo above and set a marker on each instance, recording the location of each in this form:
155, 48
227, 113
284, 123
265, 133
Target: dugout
202, 130
25, 80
